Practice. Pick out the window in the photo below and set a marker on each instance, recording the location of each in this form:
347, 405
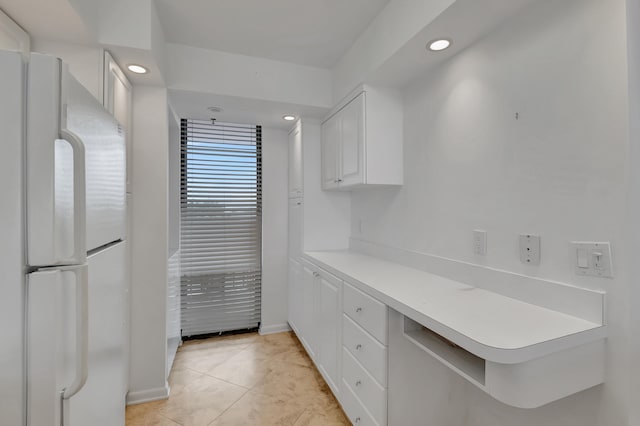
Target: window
221, 226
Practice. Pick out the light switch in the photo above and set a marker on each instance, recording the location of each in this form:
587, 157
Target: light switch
593, 259
583, 258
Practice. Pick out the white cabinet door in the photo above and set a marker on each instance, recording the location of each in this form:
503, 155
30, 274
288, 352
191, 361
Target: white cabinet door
330, 329
296, 295
118, 101
295, 161
330, 152
351, 158
295, 227
309, 324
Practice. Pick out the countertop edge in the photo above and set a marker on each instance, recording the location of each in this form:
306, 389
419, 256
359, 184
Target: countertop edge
487, 352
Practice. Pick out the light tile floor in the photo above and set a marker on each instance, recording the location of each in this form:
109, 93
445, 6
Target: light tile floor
245, 379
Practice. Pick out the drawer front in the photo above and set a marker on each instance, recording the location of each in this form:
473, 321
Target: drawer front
370, 313
354, 409
363, 385
367, 350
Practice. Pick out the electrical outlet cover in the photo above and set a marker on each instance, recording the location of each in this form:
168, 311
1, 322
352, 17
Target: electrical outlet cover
592, 259
480, 242
530, 249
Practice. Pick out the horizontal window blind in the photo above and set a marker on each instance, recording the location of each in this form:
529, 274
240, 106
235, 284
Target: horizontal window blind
221, 226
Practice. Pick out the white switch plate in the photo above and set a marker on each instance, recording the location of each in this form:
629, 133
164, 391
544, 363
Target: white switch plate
592, 259
480, 242
530, 249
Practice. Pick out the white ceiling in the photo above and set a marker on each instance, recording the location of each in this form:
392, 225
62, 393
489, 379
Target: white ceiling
239, 110
50, 19
307, 32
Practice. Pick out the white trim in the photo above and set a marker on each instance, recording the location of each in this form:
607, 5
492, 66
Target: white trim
272, 329
148, 395
12, 28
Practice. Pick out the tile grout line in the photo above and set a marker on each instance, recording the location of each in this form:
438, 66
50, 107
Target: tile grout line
299, 417
226, 381
170, 419
227, 409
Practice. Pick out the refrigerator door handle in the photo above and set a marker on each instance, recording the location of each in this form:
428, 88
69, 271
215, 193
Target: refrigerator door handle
82, 330
79, 195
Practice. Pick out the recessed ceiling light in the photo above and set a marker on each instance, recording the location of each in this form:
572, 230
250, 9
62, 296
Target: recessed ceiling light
215, 109
289, 117
440, 44
138, 69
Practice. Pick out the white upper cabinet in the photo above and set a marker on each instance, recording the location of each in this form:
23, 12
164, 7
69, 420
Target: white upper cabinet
351, 154
295, 161
330, 146
117, 99
362, 140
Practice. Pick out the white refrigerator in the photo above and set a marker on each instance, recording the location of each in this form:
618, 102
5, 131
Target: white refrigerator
62, 221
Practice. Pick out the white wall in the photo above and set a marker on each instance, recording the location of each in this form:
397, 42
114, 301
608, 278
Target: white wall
221, 73
149, 245
86, 63
12, 36
633, 32
274, 230
174, 335
398, 22
559, 171
326, 214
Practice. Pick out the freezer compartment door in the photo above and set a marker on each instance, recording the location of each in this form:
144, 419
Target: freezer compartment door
101, 402
57, 341
55, 173
104, 143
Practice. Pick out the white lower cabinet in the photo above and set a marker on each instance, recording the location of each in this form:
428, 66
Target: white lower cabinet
330, 328
345, 333
295, 295
365, 387
355, 410
309, 329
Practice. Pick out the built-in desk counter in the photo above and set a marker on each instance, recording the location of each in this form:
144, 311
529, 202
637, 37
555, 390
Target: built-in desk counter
522, 354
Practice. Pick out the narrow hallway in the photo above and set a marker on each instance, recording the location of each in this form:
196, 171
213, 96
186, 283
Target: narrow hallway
245, 379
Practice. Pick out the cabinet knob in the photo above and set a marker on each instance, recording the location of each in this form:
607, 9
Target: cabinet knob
358, 310
339, 180
358, 383
358, 347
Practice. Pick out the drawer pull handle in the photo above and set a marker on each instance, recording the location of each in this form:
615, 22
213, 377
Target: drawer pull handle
357, 419
358, 347
315, 274
358, 310
358, 383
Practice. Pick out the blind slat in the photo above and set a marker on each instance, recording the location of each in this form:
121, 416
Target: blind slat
221, 226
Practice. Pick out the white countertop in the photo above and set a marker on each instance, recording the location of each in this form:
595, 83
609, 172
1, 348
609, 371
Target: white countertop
492, 326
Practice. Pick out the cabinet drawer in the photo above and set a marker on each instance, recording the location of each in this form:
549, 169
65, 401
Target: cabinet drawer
368, 312
367, 350
371, 394
354, 409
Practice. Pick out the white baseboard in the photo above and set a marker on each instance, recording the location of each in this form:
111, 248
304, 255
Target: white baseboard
272, 329
148, 395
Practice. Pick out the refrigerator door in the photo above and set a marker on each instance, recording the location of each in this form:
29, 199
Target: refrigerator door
75, 168
57, 341
101, 402
55, 173
12, 388
104, 143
